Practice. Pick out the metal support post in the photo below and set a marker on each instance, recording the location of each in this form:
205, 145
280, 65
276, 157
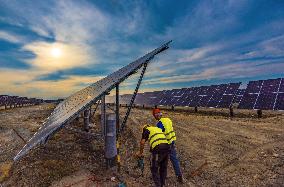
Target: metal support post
87, 120
117, 126
231, 111
133, 97
195, 109
259, 113
103, 115
110, 140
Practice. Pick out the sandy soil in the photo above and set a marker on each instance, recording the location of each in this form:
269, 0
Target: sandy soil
214, 150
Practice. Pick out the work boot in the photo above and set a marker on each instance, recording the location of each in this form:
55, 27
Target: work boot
180, 179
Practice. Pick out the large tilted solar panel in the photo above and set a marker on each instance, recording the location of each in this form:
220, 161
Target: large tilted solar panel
264, 95
79, 101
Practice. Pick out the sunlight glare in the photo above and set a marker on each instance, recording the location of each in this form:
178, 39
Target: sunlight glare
56, 52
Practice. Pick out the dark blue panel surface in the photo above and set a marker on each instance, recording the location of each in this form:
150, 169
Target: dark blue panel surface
265, 101
279, 102
270, 86
254, 86
226, 101
248, 101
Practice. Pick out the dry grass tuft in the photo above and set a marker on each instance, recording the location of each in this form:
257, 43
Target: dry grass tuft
5, 169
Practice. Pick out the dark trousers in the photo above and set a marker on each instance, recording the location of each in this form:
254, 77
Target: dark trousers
159, 166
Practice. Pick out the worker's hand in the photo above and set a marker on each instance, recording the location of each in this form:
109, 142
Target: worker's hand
139, 155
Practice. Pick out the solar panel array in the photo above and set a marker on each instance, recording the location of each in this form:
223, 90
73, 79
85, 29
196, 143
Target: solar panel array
260, 94
79, 101
6, 100
264, 95
217, 96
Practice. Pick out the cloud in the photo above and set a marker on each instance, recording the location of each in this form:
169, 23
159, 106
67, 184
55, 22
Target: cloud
70, 56
10, 37
229, 71
21, 84
272, 47
211, 41
73, 22
79, 30
205, 22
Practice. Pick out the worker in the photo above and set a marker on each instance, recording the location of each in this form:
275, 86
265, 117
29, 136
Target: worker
166, 125
160, 149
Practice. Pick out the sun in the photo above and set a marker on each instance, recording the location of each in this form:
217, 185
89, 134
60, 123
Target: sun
56, 52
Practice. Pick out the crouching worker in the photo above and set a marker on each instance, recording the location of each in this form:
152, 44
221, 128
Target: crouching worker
160, 149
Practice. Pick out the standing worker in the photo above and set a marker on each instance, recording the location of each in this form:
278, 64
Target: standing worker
160, 149
166, 125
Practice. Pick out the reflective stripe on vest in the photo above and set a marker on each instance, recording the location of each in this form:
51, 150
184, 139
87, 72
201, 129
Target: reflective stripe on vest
156, 137
169, 130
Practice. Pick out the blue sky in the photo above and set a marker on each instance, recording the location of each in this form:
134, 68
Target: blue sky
51, 49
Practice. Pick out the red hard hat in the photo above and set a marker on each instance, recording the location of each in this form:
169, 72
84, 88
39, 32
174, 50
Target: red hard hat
156, 111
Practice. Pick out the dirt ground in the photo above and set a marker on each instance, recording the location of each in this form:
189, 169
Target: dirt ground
214, 150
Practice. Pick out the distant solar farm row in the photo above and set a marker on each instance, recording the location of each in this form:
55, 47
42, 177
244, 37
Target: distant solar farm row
261, 94
17, 101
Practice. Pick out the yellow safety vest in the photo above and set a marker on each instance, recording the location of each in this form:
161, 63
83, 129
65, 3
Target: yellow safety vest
169, 130
156, 137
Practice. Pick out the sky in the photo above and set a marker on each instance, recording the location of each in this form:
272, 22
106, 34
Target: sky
53, 48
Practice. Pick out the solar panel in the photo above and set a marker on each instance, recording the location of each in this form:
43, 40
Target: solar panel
232, 88
139, 99
226, 101
193, 97
248, 101
219, 90
204, 96
228, 96
270, 86
263, 94
251, 94
254, 86
265, 101
281, 87
203, 101
279, 104
79, 101
260, 94
239, 95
